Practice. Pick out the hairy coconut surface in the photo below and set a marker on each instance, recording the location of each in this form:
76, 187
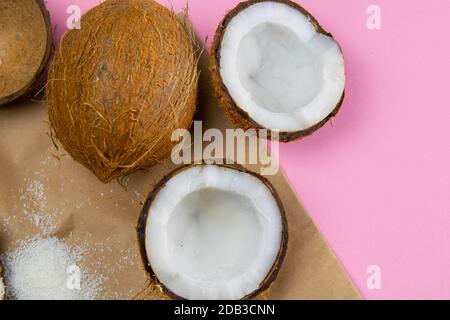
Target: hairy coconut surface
120, 86
290, 70
247, 271
25, 46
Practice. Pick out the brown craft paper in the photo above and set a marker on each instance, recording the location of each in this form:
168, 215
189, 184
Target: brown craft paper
102, 218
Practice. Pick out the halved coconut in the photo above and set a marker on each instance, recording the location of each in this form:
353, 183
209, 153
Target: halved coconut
2, 284
25, 46
274, 67
213, 232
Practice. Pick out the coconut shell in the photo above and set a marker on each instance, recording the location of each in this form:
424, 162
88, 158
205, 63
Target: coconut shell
2, 281
234, 112
165, 292
119, 86
25, 47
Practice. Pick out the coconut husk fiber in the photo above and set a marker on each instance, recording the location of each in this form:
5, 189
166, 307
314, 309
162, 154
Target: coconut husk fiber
25, 47
119, 86
104, 217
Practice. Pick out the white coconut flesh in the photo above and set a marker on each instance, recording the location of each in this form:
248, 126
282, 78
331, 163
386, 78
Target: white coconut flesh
2, 289
213, 233
279, 69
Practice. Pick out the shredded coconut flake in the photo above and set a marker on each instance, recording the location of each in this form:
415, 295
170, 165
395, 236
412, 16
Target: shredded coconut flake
38, 270
35, 207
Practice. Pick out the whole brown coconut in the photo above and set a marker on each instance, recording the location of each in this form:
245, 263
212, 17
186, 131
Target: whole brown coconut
119, 86
25, 46
237, 113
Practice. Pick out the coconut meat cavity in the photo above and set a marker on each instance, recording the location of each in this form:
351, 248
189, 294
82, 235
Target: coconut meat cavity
279, 69
213, 233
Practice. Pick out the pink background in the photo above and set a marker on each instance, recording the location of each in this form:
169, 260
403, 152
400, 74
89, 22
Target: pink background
377, 180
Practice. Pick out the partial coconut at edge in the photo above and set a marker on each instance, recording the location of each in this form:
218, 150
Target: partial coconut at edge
2, 284
121, 85
25, 48
285, 18
204, 195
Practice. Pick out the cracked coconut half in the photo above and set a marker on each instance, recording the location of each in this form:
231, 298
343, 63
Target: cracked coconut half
213, 232
25, 46
2, 284
274, 67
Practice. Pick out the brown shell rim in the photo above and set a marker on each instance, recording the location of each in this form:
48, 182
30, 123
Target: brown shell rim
272, 274
31, 87
216, 57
